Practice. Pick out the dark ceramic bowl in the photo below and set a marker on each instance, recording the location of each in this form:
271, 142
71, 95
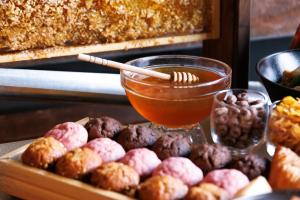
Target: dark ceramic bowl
275, 195
271, 68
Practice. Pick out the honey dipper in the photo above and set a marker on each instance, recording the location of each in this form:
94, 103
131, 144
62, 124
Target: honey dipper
176, 77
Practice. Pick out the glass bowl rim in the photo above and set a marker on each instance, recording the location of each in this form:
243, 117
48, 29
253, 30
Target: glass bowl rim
228, 71
265, 97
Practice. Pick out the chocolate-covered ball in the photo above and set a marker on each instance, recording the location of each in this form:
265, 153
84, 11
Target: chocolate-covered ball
210, 156
172, 145
137, 136
251, 165
103, 127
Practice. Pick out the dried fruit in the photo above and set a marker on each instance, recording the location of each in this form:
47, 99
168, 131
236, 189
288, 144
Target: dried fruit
284, 123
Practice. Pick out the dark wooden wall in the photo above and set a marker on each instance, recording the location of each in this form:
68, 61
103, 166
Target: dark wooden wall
272, 18
233, 45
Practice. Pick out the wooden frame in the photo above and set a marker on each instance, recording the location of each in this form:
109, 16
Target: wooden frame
53, 52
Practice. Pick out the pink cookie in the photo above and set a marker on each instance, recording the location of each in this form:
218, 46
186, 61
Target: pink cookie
107, 149
181, 168
70, 134
230, 180
143, 160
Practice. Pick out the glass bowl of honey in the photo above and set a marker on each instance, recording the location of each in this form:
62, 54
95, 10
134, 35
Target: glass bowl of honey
174, 106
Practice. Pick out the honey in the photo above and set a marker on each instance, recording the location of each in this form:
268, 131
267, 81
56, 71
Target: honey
173, 105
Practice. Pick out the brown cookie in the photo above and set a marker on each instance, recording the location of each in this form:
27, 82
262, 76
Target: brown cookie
251, 165
43, 152
103, 127
172, 145
78, 163
136, 136
210, 156
115, 176
207, 191
162, 188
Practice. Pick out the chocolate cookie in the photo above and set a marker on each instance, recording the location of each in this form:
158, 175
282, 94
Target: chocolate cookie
136, 136
210, 156
103, 127
251, 165
172, 145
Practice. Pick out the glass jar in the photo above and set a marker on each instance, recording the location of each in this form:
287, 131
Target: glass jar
239, 119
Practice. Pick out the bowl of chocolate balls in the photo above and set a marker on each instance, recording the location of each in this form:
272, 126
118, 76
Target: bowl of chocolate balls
239, 119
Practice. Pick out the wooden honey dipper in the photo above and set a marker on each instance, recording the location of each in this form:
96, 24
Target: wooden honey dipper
176, 77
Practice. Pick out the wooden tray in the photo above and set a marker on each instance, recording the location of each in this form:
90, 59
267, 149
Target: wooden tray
27, 182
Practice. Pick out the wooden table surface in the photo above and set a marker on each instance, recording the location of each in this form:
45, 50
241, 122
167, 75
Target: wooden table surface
31, 124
